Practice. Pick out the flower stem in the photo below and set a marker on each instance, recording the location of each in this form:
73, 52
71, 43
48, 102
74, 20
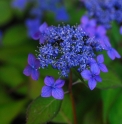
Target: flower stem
72, 99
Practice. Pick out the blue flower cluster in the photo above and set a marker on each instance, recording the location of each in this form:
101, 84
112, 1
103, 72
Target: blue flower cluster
104, 11
65, 47
39, 7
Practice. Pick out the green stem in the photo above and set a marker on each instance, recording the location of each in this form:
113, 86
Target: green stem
72, 99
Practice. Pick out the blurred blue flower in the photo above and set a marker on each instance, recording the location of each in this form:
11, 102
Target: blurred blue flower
92, 77
39, 34
53, 88
32, 67
104, 11
19, 4
32, 26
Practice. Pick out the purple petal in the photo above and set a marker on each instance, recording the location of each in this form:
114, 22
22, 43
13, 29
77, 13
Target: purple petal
110, 53
101, 30
106, 41
95, 69
59, 83
35, 74
58, 93
84, 20
36, 36
43, 27
27, 70
46, 91
41, 40
86, 74
116, 53
98, 78
49, 81
37, 64
103, 68
31, 60
100, 58
92, 22
92, 61
92, 83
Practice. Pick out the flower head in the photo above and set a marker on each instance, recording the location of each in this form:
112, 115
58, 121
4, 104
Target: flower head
32, 67
92, 77
53, 88
98, 65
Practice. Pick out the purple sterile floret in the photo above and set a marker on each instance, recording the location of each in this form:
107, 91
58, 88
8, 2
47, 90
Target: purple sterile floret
98, 65
92, 77
53, 88
38, 34
112, 53
32, 67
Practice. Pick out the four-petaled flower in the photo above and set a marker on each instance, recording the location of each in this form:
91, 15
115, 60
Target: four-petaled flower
92, 77
32, 67
98, 65
53, 88
38, 34
112, 53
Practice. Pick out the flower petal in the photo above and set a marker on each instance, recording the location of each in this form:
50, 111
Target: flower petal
98, 78
43, 27
111, 54
92, 83
35, 74
100, 58
59, 83
116, 53
46, 91
37, 64
103, 68
27, 70
58, 93
86, 74
95, 69
31, 60
41, 40
36, 36
49, 80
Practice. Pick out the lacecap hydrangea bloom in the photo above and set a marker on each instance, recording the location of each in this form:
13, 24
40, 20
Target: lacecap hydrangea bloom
65, 47
104, 11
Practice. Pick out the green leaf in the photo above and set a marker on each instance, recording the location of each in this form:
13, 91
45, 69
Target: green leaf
42, 110
109, 80
15, 35
5, 12
115, 115
9, 110
65, 114
11, 76
108, 98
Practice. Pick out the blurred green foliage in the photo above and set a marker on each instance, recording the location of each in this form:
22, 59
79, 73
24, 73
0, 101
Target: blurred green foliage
101, 106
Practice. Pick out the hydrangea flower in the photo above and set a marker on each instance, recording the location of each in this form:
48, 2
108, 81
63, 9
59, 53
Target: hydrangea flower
112, 53
92, 76
32, 67
90, 26
53, 88
65, 47
98, 65
104, 11
38, 35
